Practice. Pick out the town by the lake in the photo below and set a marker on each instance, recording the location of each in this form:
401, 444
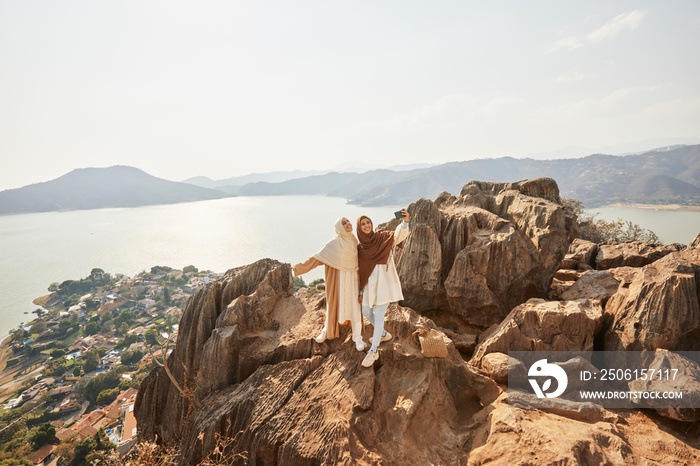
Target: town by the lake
70, 376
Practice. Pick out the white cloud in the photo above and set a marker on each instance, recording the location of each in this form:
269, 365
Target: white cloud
626, 21
569, 42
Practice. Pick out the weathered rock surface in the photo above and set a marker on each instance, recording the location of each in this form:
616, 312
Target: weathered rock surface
587, 436
581, 253
482, 253
540, 325
594, 284
632, 254
695, 243
684, 377
659, 309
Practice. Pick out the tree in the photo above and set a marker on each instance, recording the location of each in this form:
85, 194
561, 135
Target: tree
38, 327
190, 269
43, 434
91, 328
123, 328
92, 360
131, 357
107, 396
166, 296
63, 326
151, 338
54, 287
102, 382
96, 276
299, 283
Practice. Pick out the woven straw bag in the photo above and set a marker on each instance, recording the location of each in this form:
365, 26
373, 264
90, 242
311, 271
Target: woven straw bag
432, 345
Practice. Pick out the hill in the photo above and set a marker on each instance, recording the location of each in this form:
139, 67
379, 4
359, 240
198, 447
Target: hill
95, 188
663, 176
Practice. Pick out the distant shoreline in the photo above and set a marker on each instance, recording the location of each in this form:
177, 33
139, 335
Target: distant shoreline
675, 207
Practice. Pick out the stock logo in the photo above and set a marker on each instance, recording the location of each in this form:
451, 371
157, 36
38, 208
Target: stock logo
541, 369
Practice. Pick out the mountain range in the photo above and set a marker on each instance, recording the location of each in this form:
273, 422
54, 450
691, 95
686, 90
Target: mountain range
669, 175
95, 188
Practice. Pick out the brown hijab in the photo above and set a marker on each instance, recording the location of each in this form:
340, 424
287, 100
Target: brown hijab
373, 248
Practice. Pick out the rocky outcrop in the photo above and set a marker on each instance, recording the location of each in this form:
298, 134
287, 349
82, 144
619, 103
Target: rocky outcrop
540, 325
484, 252
632, 254
260, 378
659, 308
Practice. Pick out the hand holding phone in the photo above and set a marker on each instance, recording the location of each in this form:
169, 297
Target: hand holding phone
402, 214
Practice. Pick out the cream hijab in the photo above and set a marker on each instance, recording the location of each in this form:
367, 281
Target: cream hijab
340, 252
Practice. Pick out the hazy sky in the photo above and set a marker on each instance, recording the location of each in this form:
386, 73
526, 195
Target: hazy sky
225, 88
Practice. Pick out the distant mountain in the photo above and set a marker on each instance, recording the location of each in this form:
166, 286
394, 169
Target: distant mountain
669, 175
232, 185
94, 188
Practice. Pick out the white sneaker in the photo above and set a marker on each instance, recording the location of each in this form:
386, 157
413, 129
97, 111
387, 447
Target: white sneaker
370, 358
360, 345
321, 337
386, 337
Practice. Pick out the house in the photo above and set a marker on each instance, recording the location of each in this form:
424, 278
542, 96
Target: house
63, 434
42, 455
85, 432
129, 425
145, 303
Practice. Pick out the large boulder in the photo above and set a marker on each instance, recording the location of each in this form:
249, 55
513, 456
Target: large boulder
594, 284
540, 325
677, 374
632, 254
659, 308
581, 254
484, 252
513, 435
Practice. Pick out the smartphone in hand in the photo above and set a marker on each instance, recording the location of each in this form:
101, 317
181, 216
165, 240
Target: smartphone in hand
398, 214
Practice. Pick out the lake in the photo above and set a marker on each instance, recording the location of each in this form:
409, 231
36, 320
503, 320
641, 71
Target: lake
38, 249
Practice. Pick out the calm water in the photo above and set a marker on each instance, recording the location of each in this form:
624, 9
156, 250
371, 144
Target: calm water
38, 249
671, 226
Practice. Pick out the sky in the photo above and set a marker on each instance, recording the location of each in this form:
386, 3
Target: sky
226, 88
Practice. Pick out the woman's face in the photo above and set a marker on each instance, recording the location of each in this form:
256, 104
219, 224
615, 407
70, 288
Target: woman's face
366, 226
346, 224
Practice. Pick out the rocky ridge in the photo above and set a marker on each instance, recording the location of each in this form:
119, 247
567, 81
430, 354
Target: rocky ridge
478, 268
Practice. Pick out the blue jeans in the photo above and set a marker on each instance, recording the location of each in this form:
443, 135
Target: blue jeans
376, 318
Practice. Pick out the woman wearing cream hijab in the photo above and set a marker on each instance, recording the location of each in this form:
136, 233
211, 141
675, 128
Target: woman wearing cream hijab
339, 256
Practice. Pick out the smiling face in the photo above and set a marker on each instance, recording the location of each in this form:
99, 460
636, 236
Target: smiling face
366, 226
346, 224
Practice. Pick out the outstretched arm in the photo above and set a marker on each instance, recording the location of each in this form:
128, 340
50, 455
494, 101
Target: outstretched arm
302, 267
401, 232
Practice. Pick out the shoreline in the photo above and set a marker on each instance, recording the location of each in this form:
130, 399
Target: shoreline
672, 207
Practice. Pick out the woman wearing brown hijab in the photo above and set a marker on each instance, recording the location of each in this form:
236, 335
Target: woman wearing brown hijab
379, 281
